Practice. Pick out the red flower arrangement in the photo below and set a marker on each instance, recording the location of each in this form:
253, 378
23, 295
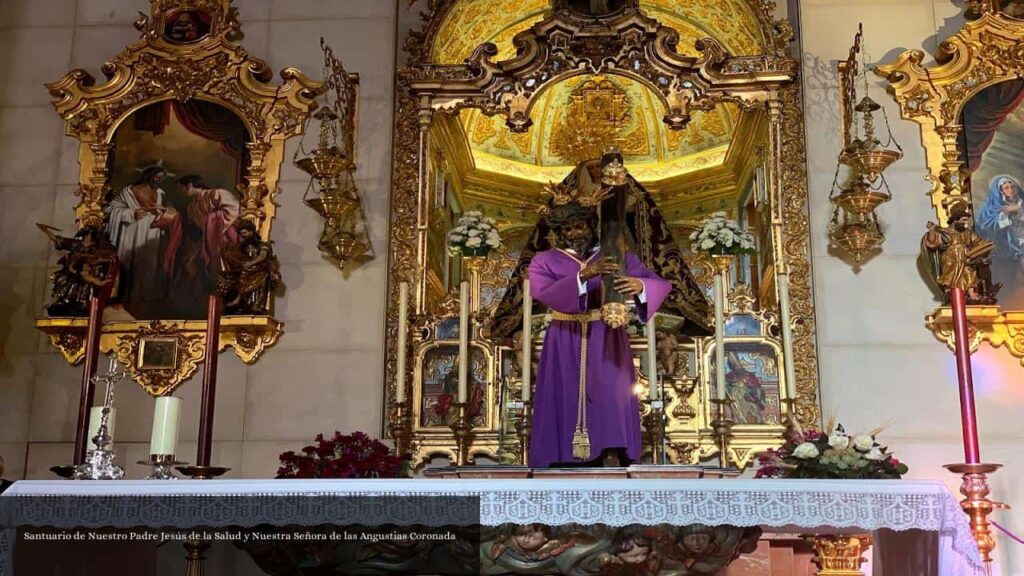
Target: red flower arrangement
353, 455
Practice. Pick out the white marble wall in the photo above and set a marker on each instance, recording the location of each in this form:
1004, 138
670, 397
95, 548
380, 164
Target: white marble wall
323, 375
879, 365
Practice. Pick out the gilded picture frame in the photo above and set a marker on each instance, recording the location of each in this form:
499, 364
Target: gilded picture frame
985, 53
199, 62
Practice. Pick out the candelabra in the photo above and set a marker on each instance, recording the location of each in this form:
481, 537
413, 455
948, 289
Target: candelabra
400, 427
791, 420
462, 427
161, 464
524, 426
100, 462
721, 426
654, 424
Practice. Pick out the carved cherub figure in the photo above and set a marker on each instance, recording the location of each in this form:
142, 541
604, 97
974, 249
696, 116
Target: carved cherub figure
955, 256
667, 350
89, 266
529, 544
251, 272
631, 552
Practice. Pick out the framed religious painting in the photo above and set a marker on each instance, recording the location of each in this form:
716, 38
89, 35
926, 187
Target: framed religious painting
971, 111
180, 155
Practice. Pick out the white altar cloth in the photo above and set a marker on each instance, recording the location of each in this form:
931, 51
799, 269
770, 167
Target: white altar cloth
887, 508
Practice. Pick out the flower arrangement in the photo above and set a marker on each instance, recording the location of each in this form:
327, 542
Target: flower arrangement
475, 235
832, 454
719, 235
353, 455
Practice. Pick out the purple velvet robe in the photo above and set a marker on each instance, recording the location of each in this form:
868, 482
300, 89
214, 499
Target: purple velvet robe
613, 415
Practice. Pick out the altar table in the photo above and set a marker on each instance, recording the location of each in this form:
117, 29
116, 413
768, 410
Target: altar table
922, 518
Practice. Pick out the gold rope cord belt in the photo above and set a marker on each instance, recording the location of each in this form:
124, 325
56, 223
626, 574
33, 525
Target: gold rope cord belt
581, 438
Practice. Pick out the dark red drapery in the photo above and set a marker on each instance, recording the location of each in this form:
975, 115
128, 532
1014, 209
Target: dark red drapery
984, 114
204, 119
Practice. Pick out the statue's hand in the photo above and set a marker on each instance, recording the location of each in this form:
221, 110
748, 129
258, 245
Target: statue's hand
628, 286
598, 267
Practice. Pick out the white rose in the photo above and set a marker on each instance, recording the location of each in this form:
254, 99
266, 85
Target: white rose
806, 451
863, 443
474, 233
473, 243
875, 454
707, 244
839, 440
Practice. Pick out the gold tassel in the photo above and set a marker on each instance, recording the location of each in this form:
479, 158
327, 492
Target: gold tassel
580, 445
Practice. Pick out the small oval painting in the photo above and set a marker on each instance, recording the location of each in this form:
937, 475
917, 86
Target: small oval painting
186, 26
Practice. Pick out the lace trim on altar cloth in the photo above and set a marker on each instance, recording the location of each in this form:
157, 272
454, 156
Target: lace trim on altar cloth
776, 505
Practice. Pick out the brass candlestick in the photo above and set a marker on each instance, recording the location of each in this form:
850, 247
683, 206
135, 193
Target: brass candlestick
462, 427
722, 428
790, 419
196, 557
162, 464
524, 426
978, 506
654, 427
400, 427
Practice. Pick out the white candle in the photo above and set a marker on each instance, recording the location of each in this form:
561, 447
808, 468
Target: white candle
652, 360
463, 341
720, 335
403, 320
95, 417
527, 367
787, 335
165, 426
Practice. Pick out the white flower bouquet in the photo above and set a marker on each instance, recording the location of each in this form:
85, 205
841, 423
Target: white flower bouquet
719, 235
475, 235
831, 454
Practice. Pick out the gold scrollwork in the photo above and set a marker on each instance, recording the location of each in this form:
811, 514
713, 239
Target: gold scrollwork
985, 52
161, 380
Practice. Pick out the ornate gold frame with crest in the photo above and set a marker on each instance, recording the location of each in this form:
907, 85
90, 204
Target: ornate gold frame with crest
562, 45
203, 63
988, 50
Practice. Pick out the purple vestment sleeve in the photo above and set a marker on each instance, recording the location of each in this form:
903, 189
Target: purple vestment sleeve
560, 292
656, 287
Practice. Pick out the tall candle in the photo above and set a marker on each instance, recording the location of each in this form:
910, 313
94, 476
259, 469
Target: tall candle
463, 341
652, 360
165, 426
403, 321
968, 418
720, 335
527, 362
95, 417
787, 336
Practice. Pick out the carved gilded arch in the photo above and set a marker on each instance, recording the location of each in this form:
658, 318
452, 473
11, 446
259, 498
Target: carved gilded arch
629, 44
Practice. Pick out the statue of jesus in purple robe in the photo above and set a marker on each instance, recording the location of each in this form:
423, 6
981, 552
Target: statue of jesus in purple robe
580, 352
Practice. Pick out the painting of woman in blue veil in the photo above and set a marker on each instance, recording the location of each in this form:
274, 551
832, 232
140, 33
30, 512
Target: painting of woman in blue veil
993, 136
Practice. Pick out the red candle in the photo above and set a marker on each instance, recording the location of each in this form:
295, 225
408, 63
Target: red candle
209, 381
968, 418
